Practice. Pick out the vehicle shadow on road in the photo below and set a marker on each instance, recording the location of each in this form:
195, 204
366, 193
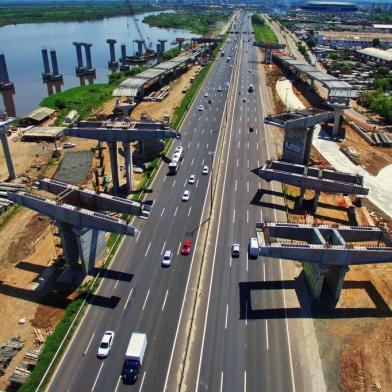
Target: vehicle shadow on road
309, 309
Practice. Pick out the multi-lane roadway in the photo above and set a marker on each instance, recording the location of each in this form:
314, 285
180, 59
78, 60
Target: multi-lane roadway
137, 294
234, 343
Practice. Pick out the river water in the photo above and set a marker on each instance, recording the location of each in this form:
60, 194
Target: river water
22, 44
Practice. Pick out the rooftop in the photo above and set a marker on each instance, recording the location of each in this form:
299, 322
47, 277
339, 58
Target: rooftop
378, 53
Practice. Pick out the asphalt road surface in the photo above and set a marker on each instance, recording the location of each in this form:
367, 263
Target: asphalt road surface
137, 294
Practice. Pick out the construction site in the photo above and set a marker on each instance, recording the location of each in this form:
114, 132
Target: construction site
354, 334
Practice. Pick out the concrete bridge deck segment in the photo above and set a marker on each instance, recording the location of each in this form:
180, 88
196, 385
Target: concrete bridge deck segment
71, 215
305, 177
87, 198
325, 245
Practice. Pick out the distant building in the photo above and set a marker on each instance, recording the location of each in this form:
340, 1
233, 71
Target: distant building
378, 56
329, 7
357, 40
384, 6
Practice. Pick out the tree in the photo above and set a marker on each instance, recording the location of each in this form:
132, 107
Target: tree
376, 42
59, 103
333, 55
311, 42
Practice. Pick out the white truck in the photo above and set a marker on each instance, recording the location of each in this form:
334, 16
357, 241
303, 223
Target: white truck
134, 357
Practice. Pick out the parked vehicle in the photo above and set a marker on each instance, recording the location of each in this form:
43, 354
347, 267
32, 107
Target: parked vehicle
134, 357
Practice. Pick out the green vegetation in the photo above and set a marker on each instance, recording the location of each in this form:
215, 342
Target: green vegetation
379, 103
263, 32
311, 42
302, 49
196, 22
117, 77
170, 54
64, 12
83, 99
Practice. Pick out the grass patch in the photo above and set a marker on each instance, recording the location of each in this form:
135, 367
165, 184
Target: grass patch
263, 32
83, 99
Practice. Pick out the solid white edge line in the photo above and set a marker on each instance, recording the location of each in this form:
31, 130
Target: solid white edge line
96, 379
244, 380
221, 382
89, 343
266, 334
145, 301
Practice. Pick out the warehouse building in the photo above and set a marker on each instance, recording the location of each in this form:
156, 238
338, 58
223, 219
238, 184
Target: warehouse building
378, 56
329, 7
342, 39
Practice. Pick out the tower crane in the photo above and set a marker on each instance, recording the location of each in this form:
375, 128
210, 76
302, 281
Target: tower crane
131, 13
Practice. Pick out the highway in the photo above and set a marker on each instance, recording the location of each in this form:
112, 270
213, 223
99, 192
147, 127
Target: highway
137, 294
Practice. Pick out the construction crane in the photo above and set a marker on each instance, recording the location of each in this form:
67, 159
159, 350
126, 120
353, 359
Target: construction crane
131, 13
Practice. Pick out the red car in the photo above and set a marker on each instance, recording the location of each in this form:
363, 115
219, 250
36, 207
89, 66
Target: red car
186, 247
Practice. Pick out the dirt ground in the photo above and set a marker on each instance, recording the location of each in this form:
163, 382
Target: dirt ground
28, 249
372, 158
355, 339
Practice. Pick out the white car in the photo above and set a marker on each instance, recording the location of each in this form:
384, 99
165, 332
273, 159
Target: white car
206, 95
106, 344
243, 99
167, 258
200, 108
219, 89
186, 195
235, 250
69, 145
205, 170
231, 65
191, 179
227, 84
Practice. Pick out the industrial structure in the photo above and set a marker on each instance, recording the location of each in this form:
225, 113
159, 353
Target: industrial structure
125, 131
82, 230
339, 92
327, 251
317, 179
49, 75
5, 123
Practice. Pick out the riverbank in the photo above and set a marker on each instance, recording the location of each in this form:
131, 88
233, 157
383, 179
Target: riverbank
65, 12
197, 23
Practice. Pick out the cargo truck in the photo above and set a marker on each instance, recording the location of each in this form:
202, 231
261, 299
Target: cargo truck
134, 357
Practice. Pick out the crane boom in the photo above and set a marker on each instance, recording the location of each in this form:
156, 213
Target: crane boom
131, 13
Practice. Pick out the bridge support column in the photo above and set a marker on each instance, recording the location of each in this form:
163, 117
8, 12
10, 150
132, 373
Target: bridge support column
315, 200
81, 244
300, 202
128, 166
7, 156
335, 280
315, 274
114, 165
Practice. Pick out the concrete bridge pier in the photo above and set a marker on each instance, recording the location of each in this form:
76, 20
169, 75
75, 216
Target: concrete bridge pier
81, 244
128, 166
337, 123
80, 67
300, 202
315, 200
114, 165
335, 279
7, 156
139, 47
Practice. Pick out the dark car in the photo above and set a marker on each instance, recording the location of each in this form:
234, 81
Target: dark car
251, 128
